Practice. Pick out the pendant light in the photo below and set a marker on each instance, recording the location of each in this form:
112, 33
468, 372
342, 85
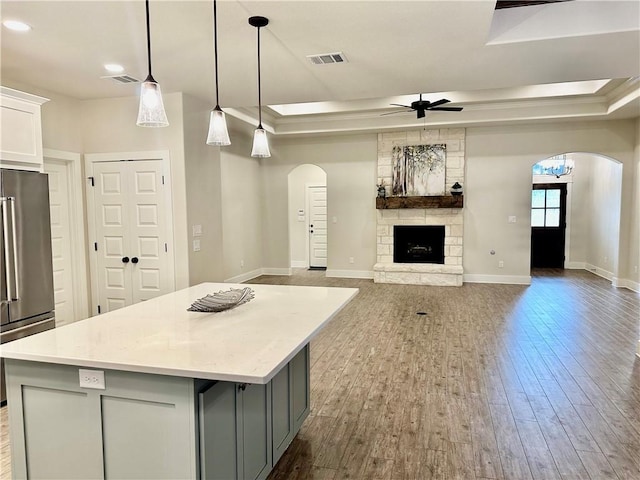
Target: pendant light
218, 134
260, 142
151, 112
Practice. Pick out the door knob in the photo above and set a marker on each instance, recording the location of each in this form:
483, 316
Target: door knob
134, 260
125, 259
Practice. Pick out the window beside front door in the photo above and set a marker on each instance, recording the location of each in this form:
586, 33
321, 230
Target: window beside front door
545, 207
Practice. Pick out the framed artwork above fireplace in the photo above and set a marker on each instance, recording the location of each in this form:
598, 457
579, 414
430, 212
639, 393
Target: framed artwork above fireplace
418, 170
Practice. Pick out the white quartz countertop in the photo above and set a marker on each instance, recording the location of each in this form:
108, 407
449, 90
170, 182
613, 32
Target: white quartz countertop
249, 343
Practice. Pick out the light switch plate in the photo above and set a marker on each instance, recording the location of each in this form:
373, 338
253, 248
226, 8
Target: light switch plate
196, 245
197, 230
512, 219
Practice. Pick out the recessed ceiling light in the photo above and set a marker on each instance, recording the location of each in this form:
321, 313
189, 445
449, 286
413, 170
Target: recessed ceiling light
114, 68
16, 25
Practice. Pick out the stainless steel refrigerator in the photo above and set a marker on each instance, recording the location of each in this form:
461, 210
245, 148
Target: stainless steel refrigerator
26, 271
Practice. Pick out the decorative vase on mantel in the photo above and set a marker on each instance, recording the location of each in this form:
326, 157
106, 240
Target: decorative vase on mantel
456, 189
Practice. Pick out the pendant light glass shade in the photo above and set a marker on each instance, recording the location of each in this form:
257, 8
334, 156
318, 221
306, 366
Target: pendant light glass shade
260, 144
151, 111
218, 134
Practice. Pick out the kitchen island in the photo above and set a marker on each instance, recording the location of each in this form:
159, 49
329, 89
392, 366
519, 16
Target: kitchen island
167, 393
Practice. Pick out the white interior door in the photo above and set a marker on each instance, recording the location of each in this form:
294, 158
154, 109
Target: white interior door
317, 208
59, 203
131, 232
147, 232
111, 217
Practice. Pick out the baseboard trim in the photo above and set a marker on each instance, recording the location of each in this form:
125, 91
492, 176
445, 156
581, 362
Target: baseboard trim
244, 277
575, 266
601, 272
276, 271
503, 279
299, 264
626, 283
366, 274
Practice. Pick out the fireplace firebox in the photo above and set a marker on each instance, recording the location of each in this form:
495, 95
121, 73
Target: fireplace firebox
418, 244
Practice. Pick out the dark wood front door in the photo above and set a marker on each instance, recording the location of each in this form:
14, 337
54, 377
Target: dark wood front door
548, 223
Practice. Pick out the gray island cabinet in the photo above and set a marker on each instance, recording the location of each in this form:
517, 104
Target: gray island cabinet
167, 393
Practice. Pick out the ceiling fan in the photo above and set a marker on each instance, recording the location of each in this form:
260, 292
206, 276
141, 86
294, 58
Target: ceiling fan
421, 106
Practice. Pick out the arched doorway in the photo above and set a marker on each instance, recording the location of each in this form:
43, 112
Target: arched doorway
308, 234
575, 213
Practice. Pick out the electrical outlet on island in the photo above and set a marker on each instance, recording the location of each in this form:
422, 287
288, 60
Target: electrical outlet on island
91, 379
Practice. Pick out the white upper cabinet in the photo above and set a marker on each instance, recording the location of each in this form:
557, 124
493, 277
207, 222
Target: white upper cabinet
21, 127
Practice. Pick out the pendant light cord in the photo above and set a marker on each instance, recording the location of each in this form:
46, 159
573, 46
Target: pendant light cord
215, 47
259, 88
148, 42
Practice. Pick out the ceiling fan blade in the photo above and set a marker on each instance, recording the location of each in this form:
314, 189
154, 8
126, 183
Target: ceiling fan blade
447, 109
398, 105
397, 111
438, 102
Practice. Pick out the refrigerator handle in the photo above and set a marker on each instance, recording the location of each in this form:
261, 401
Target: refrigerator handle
5, 228
15, 249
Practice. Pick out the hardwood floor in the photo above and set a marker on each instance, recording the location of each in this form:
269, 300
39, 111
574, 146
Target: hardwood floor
493, 382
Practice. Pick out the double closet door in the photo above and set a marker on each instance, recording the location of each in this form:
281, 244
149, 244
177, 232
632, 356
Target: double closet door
131, 233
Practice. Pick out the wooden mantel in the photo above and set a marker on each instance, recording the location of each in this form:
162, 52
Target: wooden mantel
443, 201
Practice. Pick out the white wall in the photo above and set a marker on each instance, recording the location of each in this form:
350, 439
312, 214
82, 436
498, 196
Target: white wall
109, 126
498, 181
604, 212
577, 211
299, 178
350, 164
633, 263
204, 196
242, 205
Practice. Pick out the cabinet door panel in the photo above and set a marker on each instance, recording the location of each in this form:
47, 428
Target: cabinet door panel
282, 419
142, 439
65, 444
301, 389
218, 433
21, 133
256, 441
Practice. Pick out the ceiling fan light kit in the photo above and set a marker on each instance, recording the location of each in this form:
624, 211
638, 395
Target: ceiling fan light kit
260, 141
218, 134
151, 111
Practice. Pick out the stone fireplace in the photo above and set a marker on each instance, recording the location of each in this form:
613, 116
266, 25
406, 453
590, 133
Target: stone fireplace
417, 267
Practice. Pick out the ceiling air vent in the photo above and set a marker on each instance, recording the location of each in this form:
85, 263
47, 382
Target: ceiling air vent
325, 58
122, 79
